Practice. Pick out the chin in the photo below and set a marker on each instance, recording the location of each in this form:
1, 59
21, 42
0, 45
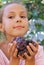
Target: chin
20, 34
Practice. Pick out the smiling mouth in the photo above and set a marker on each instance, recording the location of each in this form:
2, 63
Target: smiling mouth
19, 27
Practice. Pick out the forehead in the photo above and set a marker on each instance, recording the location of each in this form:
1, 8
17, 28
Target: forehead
14, 7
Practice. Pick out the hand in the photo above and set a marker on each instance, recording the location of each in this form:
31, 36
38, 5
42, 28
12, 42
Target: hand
30, 60
12, 50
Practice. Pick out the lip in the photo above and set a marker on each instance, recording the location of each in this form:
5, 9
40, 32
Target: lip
19, 27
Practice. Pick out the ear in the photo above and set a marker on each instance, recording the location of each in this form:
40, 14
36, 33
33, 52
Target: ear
0, 25
1, 29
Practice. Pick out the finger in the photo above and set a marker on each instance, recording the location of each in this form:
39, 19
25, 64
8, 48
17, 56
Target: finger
10, 45
33, 47
27, 57
15, 53
20, 57
30, 51
37, 44
15, 42
12, 48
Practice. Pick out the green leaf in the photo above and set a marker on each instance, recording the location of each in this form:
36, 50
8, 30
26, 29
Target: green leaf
29, 15
39, 27
32, 32
41, 16
42, 42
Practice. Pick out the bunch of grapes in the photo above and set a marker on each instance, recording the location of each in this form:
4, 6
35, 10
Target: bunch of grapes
21, 45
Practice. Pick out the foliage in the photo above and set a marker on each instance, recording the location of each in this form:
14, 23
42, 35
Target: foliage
42, 42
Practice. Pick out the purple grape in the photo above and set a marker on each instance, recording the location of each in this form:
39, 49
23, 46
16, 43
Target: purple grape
21, 45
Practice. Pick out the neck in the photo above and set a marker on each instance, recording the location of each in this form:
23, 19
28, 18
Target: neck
9, 38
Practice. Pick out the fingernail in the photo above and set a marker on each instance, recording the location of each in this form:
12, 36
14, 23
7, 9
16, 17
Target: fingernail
29, 43
27, 46
10, 44
14, 42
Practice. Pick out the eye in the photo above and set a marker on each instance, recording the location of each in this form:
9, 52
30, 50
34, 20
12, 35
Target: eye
23, 16
11, 17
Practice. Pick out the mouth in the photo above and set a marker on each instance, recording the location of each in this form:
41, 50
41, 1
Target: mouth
18, 27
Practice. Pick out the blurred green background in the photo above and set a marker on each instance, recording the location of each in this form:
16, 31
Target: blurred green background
35, 13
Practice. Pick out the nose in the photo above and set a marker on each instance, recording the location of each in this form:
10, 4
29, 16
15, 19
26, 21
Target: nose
18, 19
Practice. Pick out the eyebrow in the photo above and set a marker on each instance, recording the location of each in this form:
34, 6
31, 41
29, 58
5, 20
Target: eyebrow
23, 11
11, 12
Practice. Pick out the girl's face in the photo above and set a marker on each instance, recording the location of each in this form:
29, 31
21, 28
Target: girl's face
15, 21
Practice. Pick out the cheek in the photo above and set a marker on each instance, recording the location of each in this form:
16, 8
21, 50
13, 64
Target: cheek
8, 26
25, 22
26, 25
8, 23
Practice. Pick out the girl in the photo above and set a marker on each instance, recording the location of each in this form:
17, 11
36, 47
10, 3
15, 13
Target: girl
15, 23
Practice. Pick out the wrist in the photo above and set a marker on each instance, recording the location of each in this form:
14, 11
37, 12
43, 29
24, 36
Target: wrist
14, 61
30, 61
